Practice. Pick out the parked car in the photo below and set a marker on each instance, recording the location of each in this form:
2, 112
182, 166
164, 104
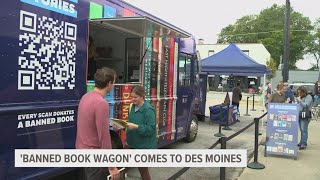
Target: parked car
309, 86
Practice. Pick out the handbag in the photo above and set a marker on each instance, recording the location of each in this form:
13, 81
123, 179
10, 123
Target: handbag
305, 114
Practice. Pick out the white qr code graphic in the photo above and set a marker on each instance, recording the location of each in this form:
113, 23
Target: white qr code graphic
47, 58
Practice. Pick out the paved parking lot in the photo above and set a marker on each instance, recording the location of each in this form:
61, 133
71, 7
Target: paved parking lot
205, 139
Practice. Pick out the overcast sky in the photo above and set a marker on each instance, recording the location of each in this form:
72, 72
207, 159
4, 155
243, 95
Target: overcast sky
205, 18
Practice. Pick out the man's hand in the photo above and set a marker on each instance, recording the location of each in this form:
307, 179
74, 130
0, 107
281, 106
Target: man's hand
132, 126
114, 172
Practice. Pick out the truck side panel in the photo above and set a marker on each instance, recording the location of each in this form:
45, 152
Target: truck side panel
42, 75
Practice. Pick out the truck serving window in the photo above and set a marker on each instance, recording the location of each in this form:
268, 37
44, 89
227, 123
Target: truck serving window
114, 49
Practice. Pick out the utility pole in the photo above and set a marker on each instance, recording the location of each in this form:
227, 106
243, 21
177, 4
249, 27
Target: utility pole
285, 71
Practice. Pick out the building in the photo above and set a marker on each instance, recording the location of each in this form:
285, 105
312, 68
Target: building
296, 77
256, 51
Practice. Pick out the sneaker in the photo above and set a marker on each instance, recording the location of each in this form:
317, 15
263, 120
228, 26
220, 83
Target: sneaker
237, 120
302, 147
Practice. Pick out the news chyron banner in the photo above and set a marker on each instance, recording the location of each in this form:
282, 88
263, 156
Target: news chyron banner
282, 129
130, 158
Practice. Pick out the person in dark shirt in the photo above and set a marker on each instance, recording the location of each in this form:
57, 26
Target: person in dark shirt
316, 93
289, 94
236, 96
278, 96
268, 93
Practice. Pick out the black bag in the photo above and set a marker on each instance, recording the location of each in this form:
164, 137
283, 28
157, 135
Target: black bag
240, 97
305, 114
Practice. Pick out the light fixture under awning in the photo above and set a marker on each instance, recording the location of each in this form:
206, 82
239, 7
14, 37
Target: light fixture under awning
142, 27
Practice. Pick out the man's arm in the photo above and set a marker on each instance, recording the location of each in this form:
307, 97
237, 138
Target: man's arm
102, 125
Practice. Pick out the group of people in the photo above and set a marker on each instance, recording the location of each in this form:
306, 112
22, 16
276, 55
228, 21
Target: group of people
284, 94
93, 123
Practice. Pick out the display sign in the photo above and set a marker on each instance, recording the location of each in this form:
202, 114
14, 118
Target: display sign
282, 129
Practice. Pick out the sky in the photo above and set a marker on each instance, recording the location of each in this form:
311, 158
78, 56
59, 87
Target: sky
206, 18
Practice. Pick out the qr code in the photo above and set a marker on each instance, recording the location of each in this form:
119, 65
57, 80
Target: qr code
47, 58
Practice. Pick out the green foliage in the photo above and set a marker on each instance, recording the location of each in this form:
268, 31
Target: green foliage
314, 43
271, 63
267, 28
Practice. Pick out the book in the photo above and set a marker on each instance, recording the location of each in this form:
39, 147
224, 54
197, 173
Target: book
120, 122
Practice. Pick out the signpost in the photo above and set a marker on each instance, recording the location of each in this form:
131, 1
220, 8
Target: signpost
282, 129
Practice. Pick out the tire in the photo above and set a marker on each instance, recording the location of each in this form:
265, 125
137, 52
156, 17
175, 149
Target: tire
193, 129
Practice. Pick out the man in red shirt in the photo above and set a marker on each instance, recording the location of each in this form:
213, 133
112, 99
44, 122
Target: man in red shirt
93, 122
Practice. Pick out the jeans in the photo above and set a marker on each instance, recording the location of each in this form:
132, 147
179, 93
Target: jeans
95, 173
316, 100
303, 125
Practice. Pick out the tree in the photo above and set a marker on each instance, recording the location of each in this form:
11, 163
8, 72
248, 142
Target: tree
314, 43
273, 66
267, 28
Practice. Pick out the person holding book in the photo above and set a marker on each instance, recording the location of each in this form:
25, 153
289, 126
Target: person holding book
141, 126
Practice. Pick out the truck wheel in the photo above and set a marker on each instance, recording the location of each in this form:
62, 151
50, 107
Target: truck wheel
193, 129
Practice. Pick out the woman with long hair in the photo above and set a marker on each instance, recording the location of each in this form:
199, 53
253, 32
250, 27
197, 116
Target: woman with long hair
141, 126
305, 101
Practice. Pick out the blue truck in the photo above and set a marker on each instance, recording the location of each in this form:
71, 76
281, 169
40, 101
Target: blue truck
46, 67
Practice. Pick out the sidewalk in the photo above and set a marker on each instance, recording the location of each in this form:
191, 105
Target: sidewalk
306, 167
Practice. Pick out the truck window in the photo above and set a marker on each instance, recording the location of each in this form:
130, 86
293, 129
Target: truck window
184, 70
196, 71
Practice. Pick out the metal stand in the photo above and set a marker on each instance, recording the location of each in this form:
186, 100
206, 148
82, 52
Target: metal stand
226, 127
223, 141
255, 164
219, 134
246, 114
253, 103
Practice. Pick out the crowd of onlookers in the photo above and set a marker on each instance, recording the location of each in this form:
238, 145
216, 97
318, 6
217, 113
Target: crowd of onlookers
306, 100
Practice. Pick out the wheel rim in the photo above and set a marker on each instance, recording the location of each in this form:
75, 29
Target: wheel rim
193, 128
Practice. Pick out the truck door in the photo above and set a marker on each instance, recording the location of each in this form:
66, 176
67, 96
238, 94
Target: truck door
185, 94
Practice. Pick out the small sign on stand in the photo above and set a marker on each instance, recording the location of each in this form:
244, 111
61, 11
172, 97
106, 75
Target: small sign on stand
282, 129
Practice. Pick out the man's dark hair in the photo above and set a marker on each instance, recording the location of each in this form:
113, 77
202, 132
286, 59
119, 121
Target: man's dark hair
103, 77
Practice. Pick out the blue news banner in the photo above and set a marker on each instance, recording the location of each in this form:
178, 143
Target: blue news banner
282, 129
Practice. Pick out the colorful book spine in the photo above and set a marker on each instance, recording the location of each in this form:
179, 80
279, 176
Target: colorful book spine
154, 72
158, 114
170, 89
110, 99
175, 77
166, 75
117, 99
126, 101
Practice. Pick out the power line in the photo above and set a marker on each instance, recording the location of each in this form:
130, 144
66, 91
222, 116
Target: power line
266, 32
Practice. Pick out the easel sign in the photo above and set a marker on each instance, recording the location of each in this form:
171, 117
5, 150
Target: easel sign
228, 98
282, 129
